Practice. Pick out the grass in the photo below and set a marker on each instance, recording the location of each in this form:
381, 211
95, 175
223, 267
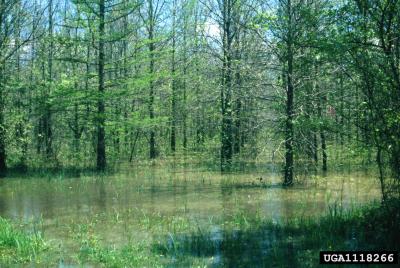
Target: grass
131, 255
17, 246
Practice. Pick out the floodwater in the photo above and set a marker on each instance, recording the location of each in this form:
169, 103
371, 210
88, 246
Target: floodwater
137, 204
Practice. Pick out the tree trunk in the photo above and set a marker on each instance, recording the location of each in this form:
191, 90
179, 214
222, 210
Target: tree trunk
101, 148
226, 88
238, 105
152, 141
321, 106
184, 116
315, 149
3, 166
20, 134
288, 180
48, 133
324, 154
174, 82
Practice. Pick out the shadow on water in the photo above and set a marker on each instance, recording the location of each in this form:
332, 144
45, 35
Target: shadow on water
266, 246
292, 244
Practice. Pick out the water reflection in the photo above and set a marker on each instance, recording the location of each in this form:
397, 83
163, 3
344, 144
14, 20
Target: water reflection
121, 201
157, 190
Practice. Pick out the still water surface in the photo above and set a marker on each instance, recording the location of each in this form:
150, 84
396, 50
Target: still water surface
119, 203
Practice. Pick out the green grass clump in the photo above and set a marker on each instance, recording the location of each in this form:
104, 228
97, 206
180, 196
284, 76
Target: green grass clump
17, 246
93, 251
132, 255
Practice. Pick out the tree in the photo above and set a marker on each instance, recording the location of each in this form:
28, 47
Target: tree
11, 11
150, 20
373, 44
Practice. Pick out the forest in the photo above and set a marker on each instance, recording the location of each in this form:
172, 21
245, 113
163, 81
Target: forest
197, 133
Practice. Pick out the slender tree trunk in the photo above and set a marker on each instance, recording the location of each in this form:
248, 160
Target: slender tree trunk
174, 82
184, 116
76, 128
381, 172
152, 141
324, 154
199, 115
315, 149
342, 129
125, 75
238, 104
3, 166
22, 120
226, 88
101, 146
288, 180
321, 105
47, 118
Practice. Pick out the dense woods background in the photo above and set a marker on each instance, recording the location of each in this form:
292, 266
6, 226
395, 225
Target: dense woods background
89, 83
